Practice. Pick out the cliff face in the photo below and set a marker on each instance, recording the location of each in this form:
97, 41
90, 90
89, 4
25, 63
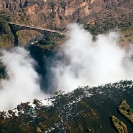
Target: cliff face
85, 110
57, 14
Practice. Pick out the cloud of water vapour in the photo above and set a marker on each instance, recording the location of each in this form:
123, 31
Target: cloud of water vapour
23, 82
83, 61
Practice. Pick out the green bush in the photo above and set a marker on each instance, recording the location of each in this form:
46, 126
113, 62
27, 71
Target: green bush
4, 27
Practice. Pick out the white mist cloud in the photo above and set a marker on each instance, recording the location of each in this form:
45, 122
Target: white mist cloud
79, 62
85, 62
23, 82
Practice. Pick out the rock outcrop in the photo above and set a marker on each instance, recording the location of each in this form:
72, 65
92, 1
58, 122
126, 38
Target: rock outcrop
57, 14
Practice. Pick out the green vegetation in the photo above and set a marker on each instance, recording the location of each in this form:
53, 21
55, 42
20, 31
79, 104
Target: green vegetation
49, 121
126, 110
24, 36
6, 36
106, 25
125, 28
21, 18
68, 114
4, 27
50, 41
44, 47
6, 41
119, 125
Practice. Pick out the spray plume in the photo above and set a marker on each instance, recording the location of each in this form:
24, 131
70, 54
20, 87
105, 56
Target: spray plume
79, 62
23, 82
87, 62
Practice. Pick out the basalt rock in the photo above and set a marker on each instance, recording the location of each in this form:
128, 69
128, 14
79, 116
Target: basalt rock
57, 14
